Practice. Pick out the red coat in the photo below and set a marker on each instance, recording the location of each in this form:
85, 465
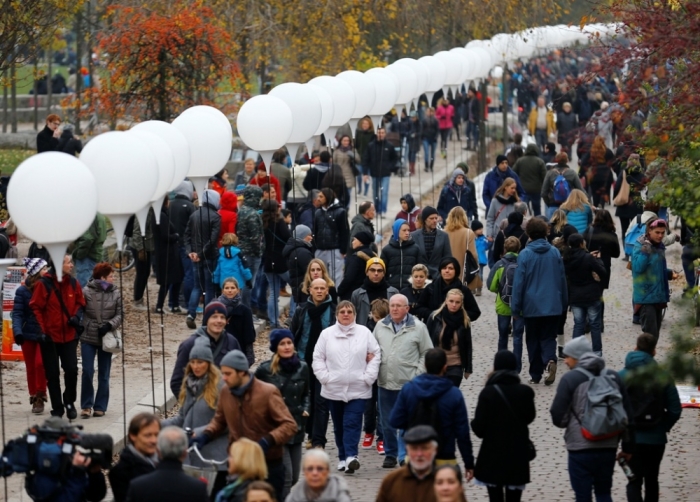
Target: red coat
268, 179
48, 310
229, 216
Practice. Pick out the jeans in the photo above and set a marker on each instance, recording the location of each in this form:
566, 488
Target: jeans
518, 329
36, 378
203, 270
259, 298
347, 425
550, 211
472, 134
334, 262
67, 354
592, 311
187, 280
380, 193
536, 201
83, 270
372, 418
254, 265
88, 398
541, 340
650, 317
645, 464
273, 308
360, 182
429, 148
317, 424
292, 465
393, 441
541, 138
592, 470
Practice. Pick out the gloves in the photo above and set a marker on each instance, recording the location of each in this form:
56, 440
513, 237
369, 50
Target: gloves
75, 323
19, 338
104, 329
265, 443
200, 441
249, 284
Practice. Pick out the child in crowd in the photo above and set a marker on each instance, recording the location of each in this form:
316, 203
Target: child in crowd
482, 246
239, 318
419, 280
378, 310
409, 211
230, 263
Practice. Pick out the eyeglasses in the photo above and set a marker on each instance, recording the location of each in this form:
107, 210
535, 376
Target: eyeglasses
317, 468
376, 270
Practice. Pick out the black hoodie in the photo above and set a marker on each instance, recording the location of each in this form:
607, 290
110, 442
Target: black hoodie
580, 266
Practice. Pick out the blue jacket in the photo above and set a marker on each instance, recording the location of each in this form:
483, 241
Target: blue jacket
494, 179
539, 284
482, 247
672, 403
231, 267
649, 273
453, 195
23, 319
454, 421
580, 219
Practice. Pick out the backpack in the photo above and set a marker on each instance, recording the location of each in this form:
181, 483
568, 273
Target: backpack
561, 189
604, 415
633, 234
505, 284
647, 405
426, 413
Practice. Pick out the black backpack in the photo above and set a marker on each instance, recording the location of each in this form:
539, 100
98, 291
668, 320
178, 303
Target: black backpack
426, 413
647, 405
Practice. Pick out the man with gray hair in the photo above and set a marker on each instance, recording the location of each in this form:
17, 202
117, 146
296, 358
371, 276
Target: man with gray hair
168, 483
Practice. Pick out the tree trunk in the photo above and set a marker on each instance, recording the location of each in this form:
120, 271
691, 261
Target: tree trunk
13, 91
78, 76
5, 97
36, 94
49, 87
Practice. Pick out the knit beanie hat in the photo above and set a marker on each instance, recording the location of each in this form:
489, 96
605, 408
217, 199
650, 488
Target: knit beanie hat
213, 308
301, 232
364, 237
211, 197
201, 350
501, 158
505, 360
34, 265
515, 218
235, 360
427, 212
577, 347
277, 335
476, 225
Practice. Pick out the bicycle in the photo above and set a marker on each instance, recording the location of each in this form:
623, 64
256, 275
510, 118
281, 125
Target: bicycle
207, 473
111, 253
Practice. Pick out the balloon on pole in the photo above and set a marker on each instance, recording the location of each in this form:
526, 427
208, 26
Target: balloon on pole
306, 112
327, 112
408, 81
344, 101
387, 86
437, 72
178, 145
365, 95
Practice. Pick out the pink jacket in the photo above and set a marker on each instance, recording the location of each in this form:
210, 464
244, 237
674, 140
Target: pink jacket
444, 116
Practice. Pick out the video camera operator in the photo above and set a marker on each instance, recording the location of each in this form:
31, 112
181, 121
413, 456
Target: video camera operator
61, 464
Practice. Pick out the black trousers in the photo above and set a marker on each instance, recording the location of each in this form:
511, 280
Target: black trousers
454, 375
143, 271
51, 353
275, 476
650, 317
645, 464
317, 424
501, 493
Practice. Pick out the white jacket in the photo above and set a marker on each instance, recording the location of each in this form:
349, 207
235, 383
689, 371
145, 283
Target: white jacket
340, 362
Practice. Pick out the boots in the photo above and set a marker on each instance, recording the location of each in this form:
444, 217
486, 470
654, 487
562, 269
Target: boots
427, 168
412, 168
37, 403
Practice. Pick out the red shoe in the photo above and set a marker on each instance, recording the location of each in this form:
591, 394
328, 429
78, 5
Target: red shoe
367, 441
380, 447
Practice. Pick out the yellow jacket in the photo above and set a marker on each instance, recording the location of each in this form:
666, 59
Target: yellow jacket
532, 122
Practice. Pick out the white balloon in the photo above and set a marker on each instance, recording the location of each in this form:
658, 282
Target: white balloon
437, 72
482, 58
453, 66
497, 72
387, 87
469, 69
164, 160
305, 107
408, 82
365, 92
59, 208
177, 142
343, 98
421, 71
327, 108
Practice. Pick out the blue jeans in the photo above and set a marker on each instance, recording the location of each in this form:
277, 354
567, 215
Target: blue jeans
259, 299
541, 138
83, 270
550, 211
187, 279
535, 199
88, 398
592, 470
380, 193
347, 425
273, 309
393, 438
254, 265
518, 330
203, 270
472, 133
541, 340
429, 149
591, 311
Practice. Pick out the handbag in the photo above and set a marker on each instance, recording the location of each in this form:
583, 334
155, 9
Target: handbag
112, 340
532, 451
623, 196
471, 267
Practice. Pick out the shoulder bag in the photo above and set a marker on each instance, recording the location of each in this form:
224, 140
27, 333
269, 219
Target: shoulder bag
112, 340
623, 196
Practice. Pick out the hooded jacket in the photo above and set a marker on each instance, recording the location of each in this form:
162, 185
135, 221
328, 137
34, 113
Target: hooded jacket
228, 212
202, 234
411, 215
336, 490
48, 311
451, 408
103, 303
276, 237
298, 253
399, 257
531, 169
571, 395
494, 179
359, 224
331, 230
249, 227
444, 115
580, 266
453, 195
354, 276
539, 284
650, 274
181, 208
635, 361
231, 267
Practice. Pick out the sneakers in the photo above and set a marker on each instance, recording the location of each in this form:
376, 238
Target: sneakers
367, 441
71, 412
551, 371
176, 310
532, 381
139, 305
190, 322
341, 465
389, 463
380, 447
351, 465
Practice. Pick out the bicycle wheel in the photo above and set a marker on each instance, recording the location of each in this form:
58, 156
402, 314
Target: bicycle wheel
112, 254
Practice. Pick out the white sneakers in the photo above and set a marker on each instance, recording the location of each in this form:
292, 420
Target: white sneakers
351, 465
341, 465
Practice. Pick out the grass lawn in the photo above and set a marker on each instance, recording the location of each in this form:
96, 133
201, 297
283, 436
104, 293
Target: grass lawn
11, 158
25, 76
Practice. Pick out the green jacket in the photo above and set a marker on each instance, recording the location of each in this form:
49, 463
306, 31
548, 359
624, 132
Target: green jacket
495, 279
531, 170
89, 245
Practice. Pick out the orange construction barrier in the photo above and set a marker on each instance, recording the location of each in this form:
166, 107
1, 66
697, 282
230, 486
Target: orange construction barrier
10, 350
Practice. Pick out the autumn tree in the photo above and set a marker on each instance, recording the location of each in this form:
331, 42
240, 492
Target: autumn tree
161, 61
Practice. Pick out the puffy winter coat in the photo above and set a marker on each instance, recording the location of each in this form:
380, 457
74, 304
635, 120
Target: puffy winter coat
435, 294
298, 254
359, 224
608, 244
294, 387
181, 208
230, 264
202, 234
580, 218
399, 258
23, 319
444, 115
331, 230
650, 274
101, 306
453, 195
48, 311
229, 215
340, 362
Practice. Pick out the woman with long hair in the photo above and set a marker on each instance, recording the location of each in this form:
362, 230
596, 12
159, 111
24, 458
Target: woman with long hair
239, 317
317, 270
599, 174
502, 204
632, 172
462, 240
448, 484
578, 211
436, 292
558, 224
246, 465
291, 376
450, 330
345, 157
276, 234
331, 233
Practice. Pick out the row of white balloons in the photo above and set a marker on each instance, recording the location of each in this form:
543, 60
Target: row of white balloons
53, 197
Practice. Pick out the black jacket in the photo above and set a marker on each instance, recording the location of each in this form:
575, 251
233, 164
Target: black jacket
504, 454
275, 240
636, 204
435, 294
298, 254
239, 321
202, 234
297, 327
399, 259
168, 263
331, 229
499, 241
430, 129
583, 288
69, 144
45, 142
128, 468
181, 208
168, 483
464, 340
313, 179
380, 159
355, 265
608, 244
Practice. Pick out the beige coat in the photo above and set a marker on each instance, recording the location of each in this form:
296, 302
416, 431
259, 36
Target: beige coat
345, 161
459, 239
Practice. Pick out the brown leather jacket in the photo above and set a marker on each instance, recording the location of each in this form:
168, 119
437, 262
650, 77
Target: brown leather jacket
259, 413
